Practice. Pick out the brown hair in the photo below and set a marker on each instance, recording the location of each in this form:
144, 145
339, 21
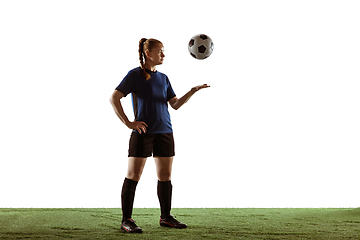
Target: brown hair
146, 44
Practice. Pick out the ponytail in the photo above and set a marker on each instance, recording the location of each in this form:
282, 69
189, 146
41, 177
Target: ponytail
142, 59
145, 44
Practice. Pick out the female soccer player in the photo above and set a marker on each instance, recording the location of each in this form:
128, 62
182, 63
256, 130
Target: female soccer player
152, 130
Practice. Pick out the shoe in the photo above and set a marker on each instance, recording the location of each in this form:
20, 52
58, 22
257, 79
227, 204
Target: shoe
129, 226
171, 222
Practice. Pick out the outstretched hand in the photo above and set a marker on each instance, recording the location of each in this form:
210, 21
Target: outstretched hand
197, 88
177, 103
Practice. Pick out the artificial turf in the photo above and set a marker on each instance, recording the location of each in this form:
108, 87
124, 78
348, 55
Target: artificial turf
203, 223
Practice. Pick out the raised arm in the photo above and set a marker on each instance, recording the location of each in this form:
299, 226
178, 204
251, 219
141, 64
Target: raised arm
176, 103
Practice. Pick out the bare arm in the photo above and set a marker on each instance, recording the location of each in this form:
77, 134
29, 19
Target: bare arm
119, 111
176, 103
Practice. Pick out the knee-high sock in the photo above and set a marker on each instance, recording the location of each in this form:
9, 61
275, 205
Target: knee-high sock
164, 191
127, 197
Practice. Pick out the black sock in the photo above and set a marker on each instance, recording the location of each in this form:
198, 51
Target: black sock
164, 191
127, 198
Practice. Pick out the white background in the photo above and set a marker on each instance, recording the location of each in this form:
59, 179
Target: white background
279, 126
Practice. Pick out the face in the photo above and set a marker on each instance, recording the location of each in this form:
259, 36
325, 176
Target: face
156, 55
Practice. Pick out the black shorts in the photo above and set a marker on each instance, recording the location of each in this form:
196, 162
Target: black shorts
144, 145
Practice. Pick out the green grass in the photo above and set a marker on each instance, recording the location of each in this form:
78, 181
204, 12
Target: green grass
206, 223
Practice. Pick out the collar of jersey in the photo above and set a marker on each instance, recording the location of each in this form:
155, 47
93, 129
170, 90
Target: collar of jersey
149, 71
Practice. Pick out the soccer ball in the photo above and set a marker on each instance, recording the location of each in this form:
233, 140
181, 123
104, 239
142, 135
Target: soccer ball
201, 46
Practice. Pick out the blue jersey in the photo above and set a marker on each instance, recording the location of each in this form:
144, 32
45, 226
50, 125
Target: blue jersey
149, 98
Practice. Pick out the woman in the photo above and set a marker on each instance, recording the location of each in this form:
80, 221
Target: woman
152, 131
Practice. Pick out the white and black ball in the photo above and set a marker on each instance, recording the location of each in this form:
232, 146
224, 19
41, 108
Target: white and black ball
201, 46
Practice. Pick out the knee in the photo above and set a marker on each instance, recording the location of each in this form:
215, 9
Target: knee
134, 176
164, 177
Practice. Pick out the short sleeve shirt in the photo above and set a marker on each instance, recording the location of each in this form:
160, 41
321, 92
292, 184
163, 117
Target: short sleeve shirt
149, 99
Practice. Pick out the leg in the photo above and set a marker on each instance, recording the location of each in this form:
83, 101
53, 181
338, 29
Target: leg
164, 189
135, 168
164, 168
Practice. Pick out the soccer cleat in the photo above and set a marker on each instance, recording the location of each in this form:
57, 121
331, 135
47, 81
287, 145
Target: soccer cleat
171, 222
129, 226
